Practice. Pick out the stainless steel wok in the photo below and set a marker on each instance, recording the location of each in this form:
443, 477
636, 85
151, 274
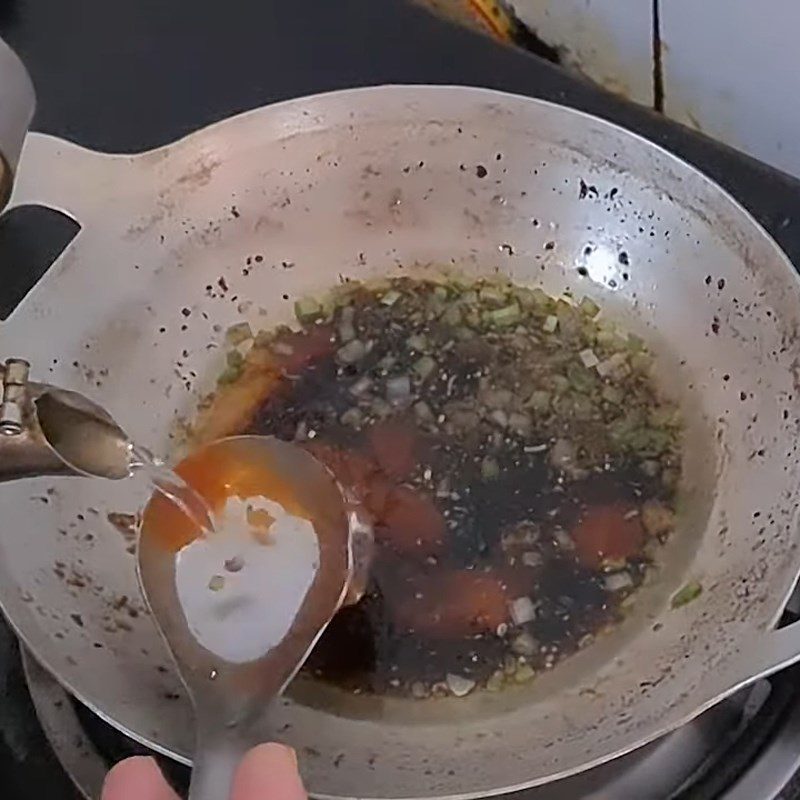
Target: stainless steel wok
235, 221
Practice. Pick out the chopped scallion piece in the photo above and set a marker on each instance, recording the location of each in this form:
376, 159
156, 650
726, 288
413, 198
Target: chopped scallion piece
306, 309
589, 307
589, 358
238, 333
688, 593
391, 297
506, 316
425, 367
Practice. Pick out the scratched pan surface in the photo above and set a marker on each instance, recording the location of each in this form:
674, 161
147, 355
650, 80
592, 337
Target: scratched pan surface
236, 221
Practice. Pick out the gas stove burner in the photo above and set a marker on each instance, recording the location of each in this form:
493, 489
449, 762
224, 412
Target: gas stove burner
746, 748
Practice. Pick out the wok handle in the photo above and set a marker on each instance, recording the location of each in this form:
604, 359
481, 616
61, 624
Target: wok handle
216, 757
72, 180
763, 656
64, 176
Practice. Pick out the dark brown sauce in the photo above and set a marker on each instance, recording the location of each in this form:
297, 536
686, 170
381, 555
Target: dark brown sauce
482, 568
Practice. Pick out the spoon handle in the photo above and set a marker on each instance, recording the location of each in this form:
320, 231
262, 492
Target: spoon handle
216, 757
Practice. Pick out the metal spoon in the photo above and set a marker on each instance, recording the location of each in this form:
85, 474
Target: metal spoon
234, 654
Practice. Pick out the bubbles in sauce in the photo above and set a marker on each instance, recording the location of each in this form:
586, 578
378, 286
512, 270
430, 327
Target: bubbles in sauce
512, 449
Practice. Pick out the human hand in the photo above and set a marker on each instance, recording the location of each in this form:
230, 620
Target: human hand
267, 772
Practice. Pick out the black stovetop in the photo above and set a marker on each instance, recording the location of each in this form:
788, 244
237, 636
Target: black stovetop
127, 77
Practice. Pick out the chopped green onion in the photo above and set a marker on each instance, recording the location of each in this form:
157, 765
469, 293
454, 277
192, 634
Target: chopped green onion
490, 469
522, 610
492, 295
615, 366
229, 375
306, 309
495, 681
459, 685
532, 299
582, 407
613, 395
243, 348
352, 352
664, 417
641, 362
361, 386
398, 390
473, 318
391, 297
539, 400
635, 343
617, 581
605, 368
234, 359
418, 342
504, 317
588, 358
264, 339
520, 423
580, 378
238, 333
452, 316
425, 367
423, 412
499, 417
560, 383
347, 331
352, 417
688, 593
589, 307
524, 673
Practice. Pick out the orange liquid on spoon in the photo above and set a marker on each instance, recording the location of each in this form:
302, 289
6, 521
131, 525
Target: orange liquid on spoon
241, 470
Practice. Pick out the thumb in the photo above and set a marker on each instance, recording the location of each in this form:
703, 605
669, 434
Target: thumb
268, 772
137, 778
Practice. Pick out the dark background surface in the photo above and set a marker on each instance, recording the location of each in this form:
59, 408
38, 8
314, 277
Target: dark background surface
130, 76
127, 77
